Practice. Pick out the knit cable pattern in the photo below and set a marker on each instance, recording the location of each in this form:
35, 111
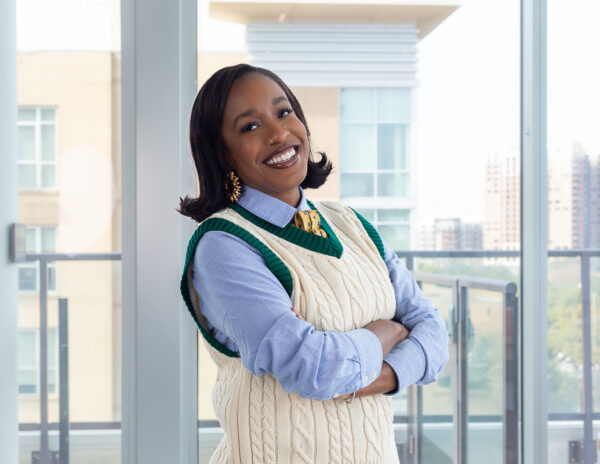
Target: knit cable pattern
264, 424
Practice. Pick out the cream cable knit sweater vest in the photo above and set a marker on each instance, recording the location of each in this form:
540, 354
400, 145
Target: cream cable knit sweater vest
263, 423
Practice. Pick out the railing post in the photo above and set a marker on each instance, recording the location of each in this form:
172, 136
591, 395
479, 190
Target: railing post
415, 423
410, 263
414, 409
589, 455
511, 375
63, 362
44, 445
462, 390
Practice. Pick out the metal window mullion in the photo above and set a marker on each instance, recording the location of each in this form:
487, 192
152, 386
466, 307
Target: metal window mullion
38, 148
534, 234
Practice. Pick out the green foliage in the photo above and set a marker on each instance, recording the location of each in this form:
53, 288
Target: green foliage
470, 267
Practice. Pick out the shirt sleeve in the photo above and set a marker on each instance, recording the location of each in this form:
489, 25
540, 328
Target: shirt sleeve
242, 299
421, 356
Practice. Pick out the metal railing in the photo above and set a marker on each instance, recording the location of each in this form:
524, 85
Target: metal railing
414, 419
511, 361
459, 334
45, 456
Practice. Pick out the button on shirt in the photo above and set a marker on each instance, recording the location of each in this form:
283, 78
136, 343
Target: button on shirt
249, 312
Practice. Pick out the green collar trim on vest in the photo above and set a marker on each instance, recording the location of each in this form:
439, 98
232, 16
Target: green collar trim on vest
275, 265
372, 232
328, 246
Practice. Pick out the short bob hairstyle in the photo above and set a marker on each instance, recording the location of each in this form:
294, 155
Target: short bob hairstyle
209, 149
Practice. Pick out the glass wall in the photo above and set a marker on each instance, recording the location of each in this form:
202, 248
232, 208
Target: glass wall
69, 200
574, 231
466, 206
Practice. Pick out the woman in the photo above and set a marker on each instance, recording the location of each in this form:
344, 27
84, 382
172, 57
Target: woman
307, 322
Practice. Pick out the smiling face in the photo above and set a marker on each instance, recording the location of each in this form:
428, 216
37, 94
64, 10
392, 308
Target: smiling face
267, 144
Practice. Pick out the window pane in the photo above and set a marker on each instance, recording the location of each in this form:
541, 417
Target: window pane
438, 396
393, 185
27, 381
52, 359
48, 240
26, 349
52, 278
393, 105
485, 352
76, 64
52, 348
357, 105
48, 114
564, 336
48, 143
393, 215
26, 114
357, 145
396, 237
595, 329
573, 211
27, 278
357, 185
368, 214
48, 176
30, 240
392, 146
27, 176
52, 381
26, 143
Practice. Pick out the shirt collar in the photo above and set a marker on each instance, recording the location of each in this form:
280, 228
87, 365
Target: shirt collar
270, 208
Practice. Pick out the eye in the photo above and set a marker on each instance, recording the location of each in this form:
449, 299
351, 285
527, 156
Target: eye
248, 127
283, 112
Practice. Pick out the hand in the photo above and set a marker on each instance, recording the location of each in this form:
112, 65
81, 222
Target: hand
389, 333
386, 382
297, 313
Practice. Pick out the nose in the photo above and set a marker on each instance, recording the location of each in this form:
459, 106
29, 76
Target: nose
276, 133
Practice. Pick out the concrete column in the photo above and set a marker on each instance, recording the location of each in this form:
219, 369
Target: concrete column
159, 344
9, 439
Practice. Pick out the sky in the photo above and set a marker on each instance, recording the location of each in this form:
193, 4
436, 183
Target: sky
467, 102
469, 96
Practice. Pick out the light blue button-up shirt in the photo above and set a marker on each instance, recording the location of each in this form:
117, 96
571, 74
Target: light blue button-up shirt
250, 312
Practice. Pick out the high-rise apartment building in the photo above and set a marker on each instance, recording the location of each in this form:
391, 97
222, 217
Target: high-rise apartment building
573, 199
451, 234
502, 194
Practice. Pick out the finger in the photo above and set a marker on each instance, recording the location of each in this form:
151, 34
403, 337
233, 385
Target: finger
297, 313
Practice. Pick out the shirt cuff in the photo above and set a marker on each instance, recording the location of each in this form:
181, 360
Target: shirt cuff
370, 355
408, 362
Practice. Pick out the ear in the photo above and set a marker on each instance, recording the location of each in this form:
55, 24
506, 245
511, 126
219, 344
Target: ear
226, 154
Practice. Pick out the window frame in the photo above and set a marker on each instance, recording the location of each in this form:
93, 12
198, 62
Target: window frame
375, 123
38, 162
52, 266
52, 345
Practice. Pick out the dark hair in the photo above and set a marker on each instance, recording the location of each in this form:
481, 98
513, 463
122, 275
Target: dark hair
209, 149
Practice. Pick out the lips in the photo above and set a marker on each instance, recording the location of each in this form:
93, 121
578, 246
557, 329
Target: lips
283, 158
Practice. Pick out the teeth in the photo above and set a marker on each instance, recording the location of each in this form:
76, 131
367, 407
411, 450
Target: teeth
287, 155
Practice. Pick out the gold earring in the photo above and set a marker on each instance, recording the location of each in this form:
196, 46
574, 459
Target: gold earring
233, 187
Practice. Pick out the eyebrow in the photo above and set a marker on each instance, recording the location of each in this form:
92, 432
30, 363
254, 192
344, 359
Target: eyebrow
245, 114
